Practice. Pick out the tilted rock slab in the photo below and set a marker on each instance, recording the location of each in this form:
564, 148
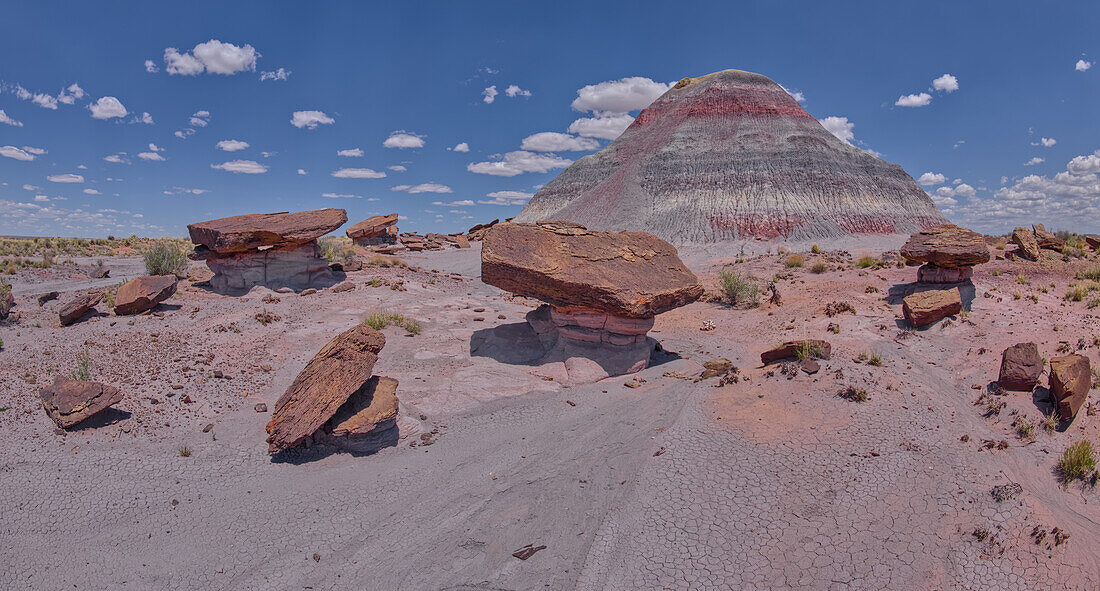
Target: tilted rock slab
1021, 366
626, 274
69, 402
1070, 381
143, 293
242, 233
379, 229
1027, 245
75, 309
334, 374
1045, 239
926, 307
732, 155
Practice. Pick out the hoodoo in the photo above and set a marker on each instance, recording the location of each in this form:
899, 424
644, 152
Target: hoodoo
731, 155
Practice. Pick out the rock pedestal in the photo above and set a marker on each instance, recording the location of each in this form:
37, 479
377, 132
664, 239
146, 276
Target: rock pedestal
617, 344
948, 253
274, 250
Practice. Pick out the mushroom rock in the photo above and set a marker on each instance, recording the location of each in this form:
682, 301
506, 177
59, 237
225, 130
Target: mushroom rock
949, 253
602, 290
732, 155
379, 229
274, 250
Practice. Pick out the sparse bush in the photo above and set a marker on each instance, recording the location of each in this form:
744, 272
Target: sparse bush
819, 267
82, 371
109, 296
1025, 427
384, 261
380, 320
1022, 280
336, 249
874, 359
834, 308
185, 452
165, 258
795, 260
808, 350
868, 261
1051, 421
854, 394
1076, 293
1091, 273
266, 317
1076, 461
375, 282
739, 289
815, 249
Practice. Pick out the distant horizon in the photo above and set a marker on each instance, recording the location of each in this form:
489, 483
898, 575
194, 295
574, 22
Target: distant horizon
137, 119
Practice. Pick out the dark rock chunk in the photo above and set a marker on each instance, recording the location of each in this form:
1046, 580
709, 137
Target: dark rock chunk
1070, 381
143, 293
924, 308
1020, 367
68, 402
78, 307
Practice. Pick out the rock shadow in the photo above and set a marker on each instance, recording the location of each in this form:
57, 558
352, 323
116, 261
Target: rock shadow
517, 343
1044, 402
899, 291
103, 418
333, 278
325, 446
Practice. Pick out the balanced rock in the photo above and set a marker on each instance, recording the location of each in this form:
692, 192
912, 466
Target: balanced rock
1021, 366
68, 402
379, 229
335, 373
948, 253
78, 307
807, 349
274, 250
1045, 239
924, 308
1026, 245
1070, 382
626, 274
143, 293
730, 156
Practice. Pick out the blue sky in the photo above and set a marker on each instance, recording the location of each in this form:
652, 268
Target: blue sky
415, 76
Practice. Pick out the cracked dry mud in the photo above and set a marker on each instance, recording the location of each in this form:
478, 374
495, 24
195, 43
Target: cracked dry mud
766, 483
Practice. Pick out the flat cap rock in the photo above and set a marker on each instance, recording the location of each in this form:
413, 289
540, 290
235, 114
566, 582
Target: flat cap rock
628, 274
334, 374
241, 233
946, 245
68, 402
143, 293
371, 227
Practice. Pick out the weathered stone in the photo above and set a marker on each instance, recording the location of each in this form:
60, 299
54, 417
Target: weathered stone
946, 246
379, 229
336, 372
715, 367
243, 233
100, 272
7, 300
297, 267
1021, 366
790, 350
460, 241
68, 402
78, 307
924, 308
344, 286
1093, 241
143, 293
933, 274
1070, 381
1026, 244
477, 233
627, 274
371, 408
47, 297
1045, 239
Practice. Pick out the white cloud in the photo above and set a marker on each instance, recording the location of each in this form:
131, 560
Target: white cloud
41, 198
1045, 142
358, 173
549, 141
423, 188
65, 178
310, 119
606, 127
914, 100
1082, 65
1082, 165
947, 83
30, 187
1034, 161
151, 67
107, 107
840, 127
145, 118
45, 101
507, 198
196, 122
302, 172
231, 145
8, 120
268, 154
797, 96
513, 91
35, 151
151, 156
91, 192
350, 153
518, 162
404, 139
116, 159
932, 178
280, 74
489, 94
960, 190
183, 133
154, 148
619, 96
340, 196
462, 203
241, 166
213, 56
204, 114
182, 190
16, 153
462, 147
397, 168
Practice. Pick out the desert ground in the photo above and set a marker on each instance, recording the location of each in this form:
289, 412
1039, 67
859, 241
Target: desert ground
645, 481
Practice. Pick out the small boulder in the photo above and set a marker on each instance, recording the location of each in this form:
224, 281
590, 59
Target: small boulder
811, 348
1093, 242
1070, 381
715, 367
47, 297
144, 293
378, 229
1026, 245
1020, 367
926, 307
78, 307
100, 272
343, 286
68, 402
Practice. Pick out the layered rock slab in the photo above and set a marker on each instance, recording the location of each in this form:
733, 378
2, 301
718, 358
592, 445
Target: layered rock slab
76, 308
143, 293
243, 233
70, 402
1026, 244
297, 267
379, 229
1070, 381
728, 156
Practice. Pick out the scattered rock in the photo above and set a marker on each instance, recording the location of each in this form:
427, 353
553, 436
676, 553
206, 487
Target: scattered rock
1020, 367
371, 408
1093, 241
344, 286
100, 272
7, 301
1070, 381
715, 368
260, 407
1006, 492
69, 402
1026, 244
308, 291
809, 366
813, 348
78, 307
527, 551
46, 297
143, 293
924, 308
1045, 239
